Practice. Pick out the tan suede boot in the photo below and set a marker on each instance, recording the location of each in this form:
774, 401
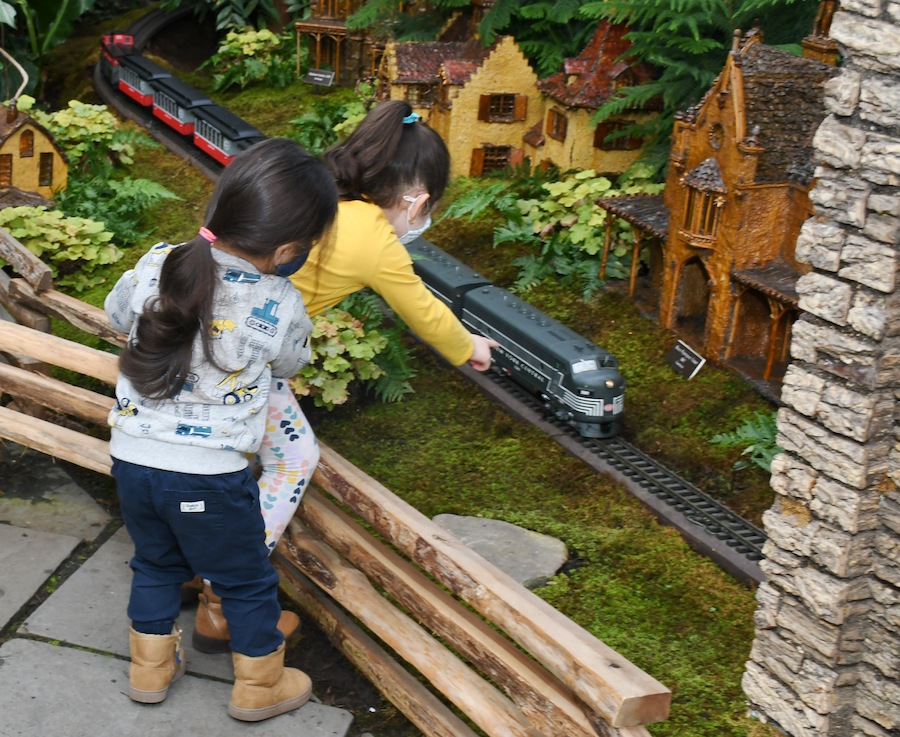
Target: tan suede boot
264, 688
211, 633
157, 661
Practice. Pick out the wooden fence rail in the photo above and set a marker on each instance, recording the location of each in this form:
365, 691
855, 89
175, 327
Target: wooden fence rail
383, 581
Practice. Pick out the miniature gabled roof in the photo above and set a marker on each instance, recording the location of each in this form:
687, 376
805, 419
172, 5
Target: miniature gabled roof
591, 78
7, 127
421, 62
707, 177
783, 107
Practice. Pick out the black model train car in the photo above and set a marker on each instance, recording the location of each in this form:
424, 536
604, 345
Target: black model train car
577, 381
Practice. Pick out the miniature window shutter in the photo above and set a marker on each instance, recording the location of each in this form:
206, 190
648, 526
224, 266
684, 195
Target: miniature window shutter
484, 107
476, 169
5, 170
521, 107
516, 156
45, 170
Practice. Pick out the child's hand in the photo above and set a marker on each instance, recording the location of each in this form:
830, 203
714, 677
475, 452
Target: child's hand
481, 356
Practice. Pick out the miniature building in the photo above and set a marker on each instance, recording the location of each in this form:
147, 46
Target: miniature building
737, 194
481, 101
568, 138
352, 55
29, 157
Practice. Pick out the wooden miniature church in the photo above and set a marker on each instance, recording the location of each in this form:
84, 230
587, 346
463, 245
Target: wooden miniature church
720, 241
30, 160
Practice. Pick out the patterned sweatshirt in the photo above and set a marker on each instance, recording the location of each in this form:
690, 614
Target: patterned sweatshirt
260, 330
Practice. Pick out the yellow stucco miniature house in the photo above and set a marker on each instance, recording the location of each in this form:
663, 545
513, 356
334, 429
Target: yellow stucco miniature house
30, 160
567, 137
480, 100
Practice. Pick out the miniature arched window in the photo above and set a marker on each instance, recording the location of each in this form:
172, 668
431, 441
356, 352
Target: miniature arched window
26, 144
704, 198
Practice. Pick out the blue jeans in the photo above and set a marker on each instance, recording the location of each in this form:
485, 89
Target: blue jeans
182, 524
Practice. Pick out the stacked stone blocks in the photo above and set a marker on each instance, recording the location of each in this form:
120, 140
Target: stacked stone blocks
826, 658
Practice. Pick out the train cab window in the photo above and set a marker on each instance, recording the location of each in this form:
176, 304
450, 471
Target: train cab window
585, 364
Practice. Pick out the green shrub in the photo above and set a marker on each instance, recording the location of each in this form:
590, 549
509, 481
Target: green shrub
83, 130
75, 249
343, 350
249, 56
757, 438
560, 220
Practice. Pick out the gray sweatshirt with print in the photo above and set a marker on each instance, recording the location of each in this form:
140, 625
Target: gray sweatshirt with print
260, 329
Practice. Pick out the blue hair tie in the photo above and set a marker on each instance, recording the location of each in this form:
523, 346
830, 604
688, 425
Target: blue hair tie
411, 118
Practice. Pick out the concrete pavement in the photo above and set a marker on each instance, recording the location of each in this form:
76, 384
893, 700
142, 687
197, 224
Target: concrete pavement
64, 656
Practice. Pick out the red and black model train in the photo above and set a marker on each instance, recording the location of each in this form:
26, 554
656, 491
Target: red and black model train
577, 381
213, 129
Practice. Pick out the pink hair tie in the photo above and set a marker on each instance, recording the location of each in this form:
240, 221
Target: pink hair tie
207, 235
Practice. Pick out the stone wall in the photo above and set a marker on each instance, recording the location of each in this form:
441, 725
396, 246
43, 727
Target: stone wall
826, 658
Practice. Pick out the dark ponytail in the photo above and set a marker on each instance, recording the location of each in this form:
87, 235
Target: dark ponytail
386, 155
272, 194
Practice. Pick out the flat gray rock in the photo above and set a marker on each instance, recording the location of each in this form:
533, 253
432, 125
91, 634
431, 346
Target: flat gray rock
63, 692
528, 557
27, 559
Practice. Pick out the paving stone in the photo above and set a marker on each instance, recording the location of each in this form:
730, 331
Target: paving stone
60, 691
527, 556
89, 610
36, 493
27, 559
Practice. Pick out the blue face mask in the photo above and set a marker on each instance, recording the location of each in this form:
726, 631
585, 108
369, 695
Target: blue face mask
412, 233
291, 267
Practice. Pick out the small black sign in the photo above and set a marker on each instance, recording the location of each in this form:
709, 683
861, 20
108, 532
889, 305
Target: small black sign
685, 360
321, 77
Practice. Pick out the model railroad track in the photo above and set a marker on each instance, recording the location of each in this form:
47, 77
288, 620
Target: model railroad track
709, 527
712, 529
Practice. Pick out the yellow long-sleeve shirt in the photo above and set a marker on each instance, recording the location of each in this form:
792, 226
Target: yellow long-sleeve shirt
367, 253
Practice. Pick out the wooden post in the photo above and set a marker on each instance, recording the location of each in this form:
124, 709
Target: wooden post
635, 260
607, 241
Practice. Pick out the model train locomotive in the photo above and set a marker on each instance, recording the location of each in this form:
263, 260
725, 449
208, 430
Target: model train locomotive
577, 381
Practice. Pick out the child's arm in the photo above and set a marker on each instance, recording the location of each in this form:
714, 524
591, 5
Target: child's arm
429, 318
295, 350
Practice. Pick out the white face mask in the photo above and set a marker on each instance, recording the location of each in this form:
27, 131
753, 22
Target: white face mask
412, 233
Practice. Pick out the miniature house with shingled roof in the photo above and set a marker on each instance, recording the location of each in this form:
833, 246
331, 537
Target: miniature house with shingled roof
481, 101
30, 160
720, 240
567, 137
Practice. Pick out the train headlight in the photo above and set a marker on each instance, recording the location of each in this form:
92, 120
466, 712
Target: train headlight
610, 383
